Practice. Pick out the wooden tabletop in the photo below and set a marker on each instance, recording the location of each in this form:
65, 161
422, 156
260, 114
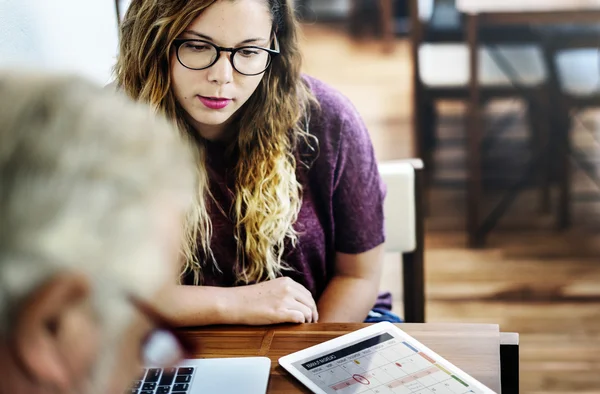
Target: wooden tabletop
472, 347
481, 6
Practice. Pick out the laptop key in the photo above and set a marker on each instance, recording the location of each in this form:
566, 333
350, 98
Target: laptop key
185, 371
167, 377
149, 387
180, 387
152, 375
136, 385
163, 390
183, 379
146, 392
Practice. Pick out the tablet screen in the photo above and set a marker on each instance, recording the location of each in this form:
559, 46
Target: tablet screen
383, 363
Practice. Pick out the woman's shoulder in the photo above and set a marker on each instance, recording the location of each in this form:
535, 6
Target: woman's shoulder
332, 103
335, 117
337, 126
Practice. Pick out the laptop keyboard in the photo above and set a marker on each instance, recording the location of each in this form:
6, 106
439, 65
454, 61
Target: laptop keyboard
163, 381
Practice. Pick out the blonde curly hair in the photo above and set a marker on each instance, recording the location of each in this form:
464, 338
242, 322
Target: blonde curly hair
268, 195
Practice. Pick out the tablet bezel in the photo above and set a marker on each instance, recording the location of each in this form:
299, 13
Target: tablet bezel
287, 361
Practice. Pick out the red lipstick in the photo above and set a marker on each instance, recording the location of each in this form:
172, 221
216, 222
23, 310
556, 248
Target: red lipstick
214, 102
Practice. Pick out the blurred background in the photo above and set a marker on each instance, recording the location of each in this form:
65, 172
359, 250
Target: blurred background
537, 270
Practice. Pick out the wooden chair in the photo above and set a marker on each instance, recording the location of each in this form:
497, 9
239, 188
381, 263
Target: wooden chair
442, 72
404, 230
572, 58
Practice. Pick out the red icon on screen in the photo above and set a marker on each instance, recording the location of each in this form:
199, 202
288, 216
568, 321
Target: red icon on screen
361, 379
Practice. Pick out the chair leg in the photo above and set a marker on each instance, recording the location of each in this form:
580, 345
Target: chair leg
430, 125
413, 265
426, 127
476, 238
354, 25
559, 137
540, 146
563, 150
387, 16
414, 288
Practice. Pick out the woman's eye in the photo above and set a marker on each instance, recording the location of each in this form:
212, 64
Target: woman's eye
198, 47
248, 52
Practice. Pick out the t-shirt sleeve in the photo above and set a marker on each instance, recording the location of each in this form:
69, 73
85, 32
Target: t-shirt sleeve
358, 191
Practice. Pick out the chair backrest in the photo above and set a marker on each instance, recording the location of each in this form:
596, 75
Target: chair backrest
399, 206
425, 9
75, 36
436, 21
403, 210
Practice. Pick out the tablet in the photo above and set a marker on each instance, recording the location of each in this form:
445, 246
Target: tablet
379, 359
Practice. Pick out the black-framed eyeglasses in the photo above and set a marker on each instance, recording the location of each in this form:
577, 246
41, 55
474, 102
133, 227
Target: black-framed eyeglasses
164, 346
250, 60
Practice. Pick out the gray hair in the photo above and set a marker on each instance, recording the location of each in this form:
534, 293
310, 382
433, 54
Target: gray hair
81, 170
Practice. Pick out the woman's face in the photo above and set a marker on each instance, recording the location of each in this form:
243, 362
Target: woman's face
211, 97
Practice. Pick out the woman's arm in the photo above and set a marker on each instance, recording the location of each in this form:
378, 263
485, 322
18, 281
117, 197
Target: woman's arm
280, 300
198, 305
352, 291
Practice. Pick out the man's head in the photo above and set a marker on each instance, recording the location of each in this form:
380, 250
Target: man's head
93, 193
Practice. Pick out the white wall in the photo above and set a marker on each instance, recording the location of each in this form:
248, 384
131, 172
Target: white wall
123, 5
78, 36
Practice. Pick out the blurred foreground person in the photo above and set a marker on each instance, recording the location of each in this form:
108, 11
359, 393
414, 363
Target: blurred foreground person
93, 195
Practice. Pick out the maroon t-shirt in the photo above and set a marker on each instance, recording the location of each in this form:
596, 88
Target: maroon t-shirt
342, 206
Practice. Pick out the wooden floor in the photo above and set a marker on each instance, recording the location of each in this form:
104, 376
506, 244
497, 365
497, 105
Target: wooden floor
530, 279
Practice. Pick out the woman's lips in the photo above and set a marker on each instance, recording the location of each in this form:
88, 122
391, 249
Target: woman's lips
214, 102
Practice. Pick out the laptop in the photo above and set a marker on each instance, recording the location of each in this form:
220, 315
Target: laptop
248, 375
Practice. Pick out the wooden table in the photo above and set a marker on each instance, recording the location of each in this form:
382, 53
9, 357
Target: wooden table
472, 347
507, 12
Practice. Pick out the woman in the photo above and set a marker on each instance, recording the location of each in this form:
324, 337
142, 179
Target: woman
292, 228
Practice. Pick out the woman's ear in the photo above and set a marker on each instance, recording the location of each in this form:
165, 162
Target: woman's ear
37, 339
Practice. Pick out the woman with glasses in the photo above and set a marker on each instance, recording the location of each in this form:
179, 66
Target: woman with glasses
291, 229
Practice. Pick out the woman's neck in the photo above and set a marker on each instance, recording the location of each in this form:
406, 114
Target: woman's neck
222, 133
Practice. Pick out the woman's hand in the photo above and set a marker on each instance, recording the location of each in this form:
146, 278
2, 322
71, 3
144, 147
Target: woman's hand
280, 300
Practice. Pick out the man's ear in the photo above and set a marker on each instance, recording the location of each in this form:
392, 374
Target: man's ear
38, 321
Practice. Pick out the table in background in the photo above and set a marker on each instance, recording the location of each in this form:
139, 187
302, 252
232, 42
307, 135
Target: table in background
516, 12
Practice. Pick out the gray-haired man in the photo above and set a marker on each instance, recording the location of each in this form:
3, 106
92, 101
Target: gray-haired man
93, 194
